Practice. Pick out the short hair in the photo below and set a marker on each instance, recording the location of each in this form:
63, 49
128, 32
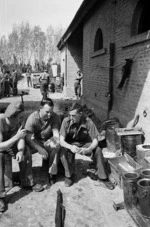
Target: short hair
76, 106
47, 101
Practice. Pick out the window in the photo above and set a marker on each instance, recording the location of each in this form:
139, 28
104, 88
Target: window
141, 18
98, 42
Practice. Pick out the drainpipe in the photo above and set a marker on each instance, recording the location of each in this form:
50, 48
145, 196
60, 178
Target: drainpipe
66, 65
111, 72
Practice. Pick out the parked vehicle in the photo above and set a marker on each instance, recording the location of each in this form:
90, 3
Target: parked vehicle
57, 84
36, 80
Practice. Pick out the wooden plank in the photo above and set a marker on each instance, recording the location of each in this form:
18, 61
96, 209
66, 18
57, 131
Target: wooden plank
138, 217
8, 172
128, 132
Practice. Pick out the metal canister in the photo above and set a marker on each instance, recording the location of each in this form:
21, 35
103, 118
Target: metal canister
145, 173
129, 143
130, 188
143, 188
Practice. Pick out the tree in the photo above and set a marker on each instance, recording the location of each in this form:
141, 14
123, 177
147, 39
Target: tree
13, 42
38, 43
27, 44
4, 53
25, 38
52, 38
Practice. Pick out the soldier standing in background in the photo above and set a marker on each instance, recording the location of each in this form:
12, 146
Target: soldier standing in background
77, 84
44, 79
28, 76
7, 84
14, 82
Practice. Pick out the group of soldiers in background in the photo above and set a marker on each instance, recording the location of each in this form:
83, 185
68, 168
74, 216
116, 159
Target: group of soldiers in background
8, 83
10, 74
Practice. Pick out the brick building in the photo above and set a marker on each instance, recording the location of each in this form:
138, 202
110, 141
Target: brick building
102, 35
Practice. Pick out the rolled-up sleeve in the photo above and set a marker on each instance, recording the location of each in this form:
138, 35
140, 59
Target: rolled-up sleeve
30, 123
63, 129
92, 130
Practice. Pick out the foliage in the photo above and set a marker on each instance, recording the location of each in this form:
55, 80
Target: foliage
26, 44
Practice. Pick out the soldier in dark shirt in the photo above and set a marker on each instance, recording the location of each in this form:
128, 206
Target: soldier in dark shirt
78, 134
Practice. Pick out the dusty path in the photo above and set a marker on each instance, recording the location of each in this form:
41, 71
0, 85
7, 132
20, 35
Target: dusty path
86, 203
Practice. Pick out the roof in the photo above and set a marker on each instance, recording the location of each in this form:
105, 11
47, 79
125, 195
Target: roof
85, 7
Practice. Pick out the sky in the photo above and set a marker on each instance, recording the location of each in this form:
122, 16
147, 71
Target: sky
37, 12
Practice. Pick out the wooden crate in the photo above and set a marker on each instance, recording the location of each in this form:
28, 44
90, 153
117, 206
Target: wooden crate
121, 165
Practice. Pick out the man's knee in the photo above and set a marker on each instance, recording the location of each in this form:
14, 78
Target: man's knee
28, 153
63, 151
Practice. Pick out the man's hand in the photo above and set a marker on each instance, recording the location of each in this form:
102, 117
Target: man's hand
102, 135
84, 151
74, 149
43, 152
53, 142
19, 156
21, 133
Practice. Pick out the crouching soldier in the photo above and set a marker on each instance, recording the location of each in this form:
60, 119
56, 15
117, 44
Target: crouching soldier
78, 134
12, 142
43, 138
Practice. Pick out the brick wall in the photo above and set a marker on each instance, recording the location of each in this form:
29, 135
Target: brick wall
115, 18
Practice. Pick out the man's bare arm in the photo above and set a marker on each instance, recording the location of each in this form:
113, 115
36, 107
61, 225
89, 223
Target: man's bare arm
4, 145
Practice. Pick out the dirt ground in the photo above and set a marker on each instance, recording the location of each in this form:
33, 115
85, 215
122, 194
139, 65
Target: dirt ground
87, 204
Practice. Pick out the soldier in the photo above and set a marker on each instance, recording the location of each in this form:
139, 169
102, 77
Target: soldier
28, 76
7, 84
77, 84
44, 126
78, 134
14, 82
44, 79
12, 142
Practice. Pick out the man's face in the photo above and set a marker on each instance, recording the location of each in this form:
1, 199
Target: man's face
46, 112
75, 116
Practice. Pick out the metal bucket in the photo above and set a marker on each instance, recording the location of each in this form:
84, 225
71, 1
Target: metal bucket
129, 143
143, 188
130, 188
145, 173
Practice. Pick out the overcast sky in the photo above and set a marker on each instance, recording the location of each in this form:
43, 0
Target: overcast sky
37, 12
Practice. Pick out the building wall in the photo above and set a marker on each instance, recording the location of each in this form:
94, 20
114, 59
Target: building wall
72, 53
115, 18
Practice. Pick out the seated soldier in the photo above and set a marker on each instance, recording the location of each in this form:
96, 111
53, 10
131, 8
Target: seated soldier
12, 142
78, 134
43, 135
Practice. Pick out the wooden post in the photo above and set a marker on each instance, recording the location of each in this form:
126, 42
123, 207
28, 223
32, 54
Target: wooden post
8, 172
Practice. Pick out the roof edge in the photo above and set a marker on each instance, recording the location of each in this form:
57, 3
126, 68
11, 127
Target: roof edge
84, 8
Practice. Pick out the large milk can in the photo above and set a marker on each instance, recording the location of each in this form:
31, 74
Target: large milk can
145, 173
130, 188
143, 188
129, 143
